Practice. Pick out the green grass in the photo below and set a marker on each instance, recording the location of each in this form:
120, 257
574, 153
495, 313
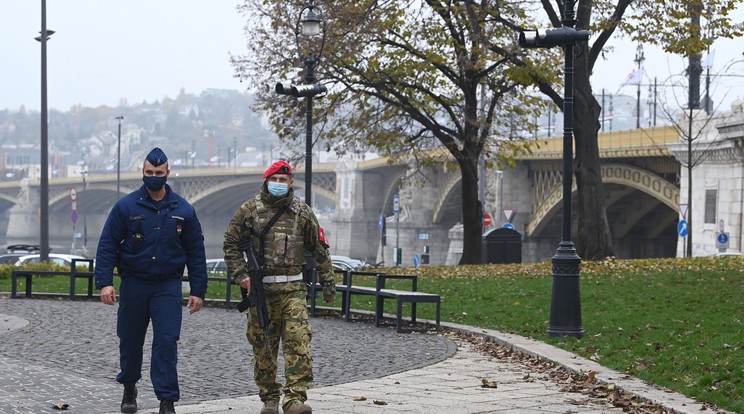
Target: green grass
678, 323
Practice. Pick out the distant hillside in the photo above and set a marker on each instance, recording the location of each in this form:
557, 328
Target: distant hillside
216, 123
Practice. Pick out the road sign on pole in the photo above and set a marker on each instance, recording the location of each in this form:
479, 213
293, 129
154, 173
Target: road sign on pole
487, 220
73, 194
683, 210
722, 241
682, 228
508, 213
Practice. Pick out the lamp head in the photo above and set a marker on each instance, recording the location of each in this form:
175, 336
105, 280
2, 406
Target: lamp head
311, 23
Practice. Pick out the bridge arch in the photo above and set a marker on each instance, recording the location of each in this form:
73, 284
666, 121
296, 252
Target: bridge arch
451, 189
621, 174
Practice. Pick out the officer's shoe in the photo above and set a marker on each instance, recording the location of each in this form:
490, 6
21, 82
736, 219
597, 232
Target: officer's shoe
297, 407
129, 400
166, 407
270, 407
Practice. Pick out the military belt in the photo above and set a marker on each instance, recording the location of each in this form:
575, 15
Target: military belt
282, 278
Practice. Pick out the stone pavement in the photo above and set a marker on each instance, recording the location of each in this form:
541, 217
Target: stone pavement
60, 352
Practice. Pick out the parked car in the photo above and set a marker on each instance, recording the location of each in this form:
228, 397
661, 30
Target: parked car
216, 266
347, 262
57, 258
11, 258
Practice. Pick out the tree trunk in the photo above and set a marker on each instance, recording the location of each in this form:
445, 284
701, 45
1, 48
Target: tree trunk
472, 214
594, 239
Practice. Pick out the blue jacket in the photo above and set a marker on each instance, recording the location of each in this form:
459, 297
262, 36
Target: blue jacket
152, 241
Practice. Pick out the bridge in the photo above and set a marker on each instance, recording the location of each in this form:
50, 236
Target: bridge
639, 168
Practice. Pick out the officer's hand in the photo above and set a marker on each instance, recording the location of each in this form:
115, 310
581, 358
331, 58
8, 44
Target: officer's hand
195, 304
108, 295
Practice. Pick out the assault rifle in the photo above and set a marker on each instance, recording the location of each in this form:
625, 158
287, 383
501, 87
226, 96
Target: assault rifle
256, 296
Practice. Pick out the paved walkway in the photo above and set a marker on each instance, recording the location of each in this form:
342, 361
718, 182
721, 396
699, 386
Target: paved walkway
62, 353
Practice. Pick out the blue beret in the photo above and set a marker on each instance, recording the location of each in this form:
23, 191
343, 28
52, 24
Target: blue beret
156, 157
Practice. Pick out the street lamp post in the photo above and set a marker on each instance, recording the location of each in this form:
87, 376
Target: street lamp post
639, 58
565, 305
118, 156
44, 184
309, 24
84, 201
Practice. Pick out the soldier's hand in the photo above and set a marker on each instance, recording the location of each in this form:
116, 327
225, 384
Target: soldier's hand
108, 295
245, 284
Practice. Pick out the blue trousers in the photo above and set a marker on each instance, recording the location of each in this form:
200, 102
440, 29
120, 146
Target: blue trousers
141, 301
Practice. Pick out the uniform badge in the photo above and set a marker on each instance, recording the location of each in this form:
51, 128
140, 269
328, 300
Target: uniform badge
179, 229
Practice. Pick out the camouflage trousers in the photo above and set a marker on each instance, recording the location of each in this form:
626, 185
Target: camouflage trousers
287, 305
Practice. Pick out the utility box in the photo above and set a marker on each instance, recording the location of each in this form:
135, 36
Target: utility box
502, 245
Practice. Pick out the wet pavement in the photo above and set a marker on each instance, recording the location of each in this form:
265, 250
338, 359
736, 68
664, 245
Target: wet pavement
62, 354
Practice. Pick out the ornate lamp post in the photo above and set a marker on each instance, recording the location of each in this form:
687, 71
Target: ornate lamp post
44, 184
84, 201
639, 58
309, 24
565, 305
118, 156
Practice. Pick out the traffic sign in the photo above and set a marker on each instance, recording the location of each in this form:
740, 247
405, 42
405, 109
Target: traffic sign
381, 222
396, 204
682, 228
73, 194
508, 213
722, 241
683, 210
487, 220
73, 216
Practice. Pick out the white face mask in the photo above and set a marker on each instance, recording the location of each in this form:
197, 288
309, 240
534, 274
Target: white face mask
277, 189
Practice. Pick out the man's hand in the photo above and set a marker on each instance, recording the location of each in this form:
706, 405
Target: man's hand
329, 293
195, 304
245, 284
108, 295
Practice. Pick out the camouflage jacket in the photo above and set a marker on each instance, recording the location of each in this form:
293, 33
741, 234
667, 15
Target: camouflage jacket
284, 243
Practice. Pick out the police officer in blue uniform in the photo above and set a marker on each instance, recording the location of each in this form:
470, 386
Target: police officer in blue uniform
149, 236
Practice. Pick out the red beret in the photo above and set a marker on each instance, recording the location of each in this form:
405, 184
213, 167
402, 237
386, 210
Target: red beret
279, 167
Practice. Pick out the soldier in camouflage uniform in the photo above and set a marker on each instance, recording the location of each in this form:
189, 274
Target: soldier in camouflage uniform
281, 252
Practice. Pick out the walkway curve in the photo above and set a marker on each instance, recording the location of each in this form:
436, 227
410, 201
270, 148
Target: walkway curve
68, 353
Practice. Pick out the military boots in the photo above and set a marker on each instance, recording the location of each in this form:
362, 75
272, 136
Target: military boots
270, 407
297, 407
129, 400
166, 407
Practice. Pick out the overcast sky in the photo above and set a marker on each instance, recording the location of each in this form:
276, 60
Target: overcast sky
144, 50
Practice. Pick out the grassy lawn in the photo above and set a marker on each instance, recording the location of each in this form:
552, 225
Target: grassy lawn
678, 323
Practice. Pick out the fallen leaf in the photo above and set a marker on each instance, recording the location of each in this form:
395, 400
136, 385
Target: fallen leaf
590, 376
360, 399
488, 384
60, 406
378, 402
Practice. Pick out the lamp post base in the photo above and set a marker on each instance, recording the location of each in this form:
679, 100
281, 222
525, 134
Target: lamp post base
565, 303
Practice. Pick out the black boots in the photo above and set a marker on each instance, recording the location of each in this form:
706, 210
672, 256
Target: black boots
166, 407
129, 401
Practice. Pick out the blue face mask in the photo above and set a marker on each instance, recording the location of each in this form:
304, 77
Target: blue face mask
154, 183
278, 189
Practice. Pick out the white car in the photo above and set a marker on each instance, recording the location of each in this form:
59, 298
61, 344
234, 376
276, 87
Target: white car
57, 258
216, 266
347, 262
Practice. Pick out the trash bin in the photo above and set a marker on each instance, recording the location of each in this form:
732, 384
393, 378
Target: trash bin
502, 245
